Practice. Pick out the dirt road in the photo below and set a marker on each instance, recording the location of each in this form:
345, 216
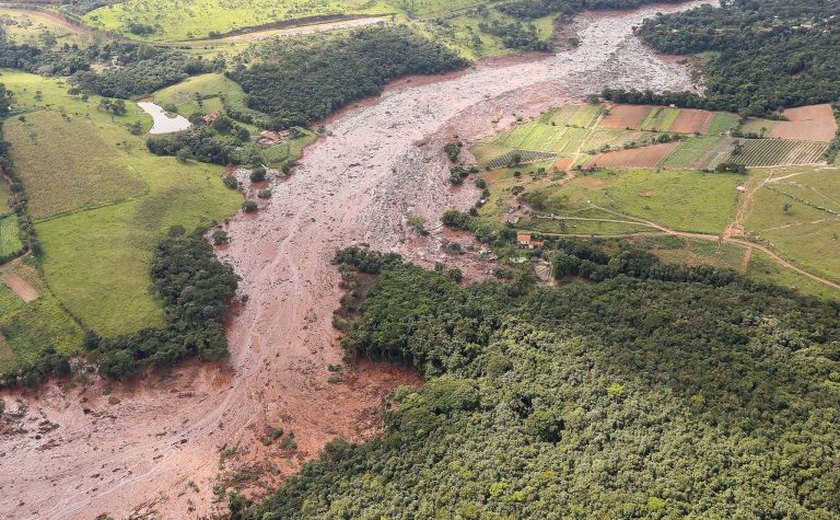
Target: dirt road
160, 448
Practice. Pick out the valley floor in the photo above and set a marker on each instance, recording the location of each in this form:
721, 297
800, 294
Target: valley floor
124, 450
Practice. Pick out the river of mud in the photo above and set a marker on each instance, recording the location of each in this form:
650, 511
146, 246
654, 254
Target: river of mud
157, 448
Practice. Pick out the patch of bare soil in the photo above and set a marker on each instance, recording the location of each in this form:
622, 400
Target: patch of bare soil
625, 116
19, 286
159, 446
810, 123
642, 157
691, 120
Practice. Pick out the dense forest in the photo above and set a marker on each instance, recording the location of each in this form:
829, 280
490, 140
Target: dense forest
300, 80
759, 56
194, 288
627, 398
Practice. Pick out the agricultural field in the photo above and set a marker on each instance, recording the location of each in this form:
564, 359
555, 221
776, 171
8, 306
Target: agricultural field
796, 214
692, 153
28, 326
96, 252
774, 152
10, 242
621, 136
666, 119
66, 163
798, 217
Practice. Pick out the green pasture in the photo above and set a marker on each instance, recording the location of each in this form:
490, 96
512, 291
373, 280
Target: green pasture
794, 227
196, 19
203, 94
41, 29
10, 242
660, 119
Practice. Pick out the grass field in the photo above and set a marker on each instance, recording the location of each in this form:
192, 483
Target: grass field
786, 216
194, 19
66, 163
95, 260
214, 90
683, 200
40, 28
10, 242
34, 92
26, 329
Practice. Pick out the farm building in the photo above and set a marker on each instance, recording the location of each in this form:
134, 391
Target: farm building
211, 117
524, 241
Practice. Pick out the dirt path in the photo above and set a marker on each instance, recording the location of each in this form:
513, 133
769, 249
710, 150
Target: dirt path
131, 452
302, 30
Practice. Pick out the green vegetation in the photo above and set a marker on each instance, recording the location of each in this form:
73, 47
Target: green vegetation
205, 94
759, 56
299, 80
28, 330
195, 288
591, 400
800, 217
66, 164
10, 240
96, 258
202, 18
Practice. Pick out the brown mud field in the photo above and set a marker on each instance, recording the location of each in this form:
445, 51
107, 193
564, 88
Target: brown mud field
156, 448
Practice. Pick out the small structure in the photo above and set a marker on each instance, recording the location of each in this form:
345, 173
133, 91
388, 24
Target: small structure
269, 138
210, 118
284, 134
741, 188
524, 241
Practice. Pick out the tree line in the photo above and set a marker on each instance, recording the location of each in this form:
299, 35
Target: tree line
633, 397
299, 80
194, 287
760, 56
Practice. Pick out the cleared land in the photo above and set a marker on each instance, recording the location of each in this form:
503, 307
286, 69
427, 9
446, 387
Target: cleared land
810, 123
799, 216
644, 157
625, 116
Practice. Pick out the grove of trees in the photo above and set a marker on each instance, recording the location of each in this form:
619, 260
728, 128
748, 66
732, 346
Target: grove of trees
632, 397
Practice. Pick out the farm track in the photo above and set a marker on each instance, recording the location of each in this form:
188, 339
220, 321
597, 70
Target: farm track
135, 449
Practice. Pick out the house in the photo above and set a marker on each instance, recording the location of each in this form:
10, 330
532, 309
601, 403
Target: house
210, 118
284, 134
524, 241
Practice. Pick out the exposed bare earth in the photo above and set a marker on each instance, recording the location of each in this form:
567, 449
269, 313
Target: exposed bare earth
625, 116
643, 157
691, 120
809, 123
137, 451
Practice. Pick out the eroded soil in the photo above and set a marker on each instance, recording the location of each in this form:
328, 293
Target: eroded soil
158, 447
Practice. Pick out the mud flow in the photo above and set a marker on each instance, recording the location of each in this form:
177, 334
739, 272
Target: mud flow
160, 446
